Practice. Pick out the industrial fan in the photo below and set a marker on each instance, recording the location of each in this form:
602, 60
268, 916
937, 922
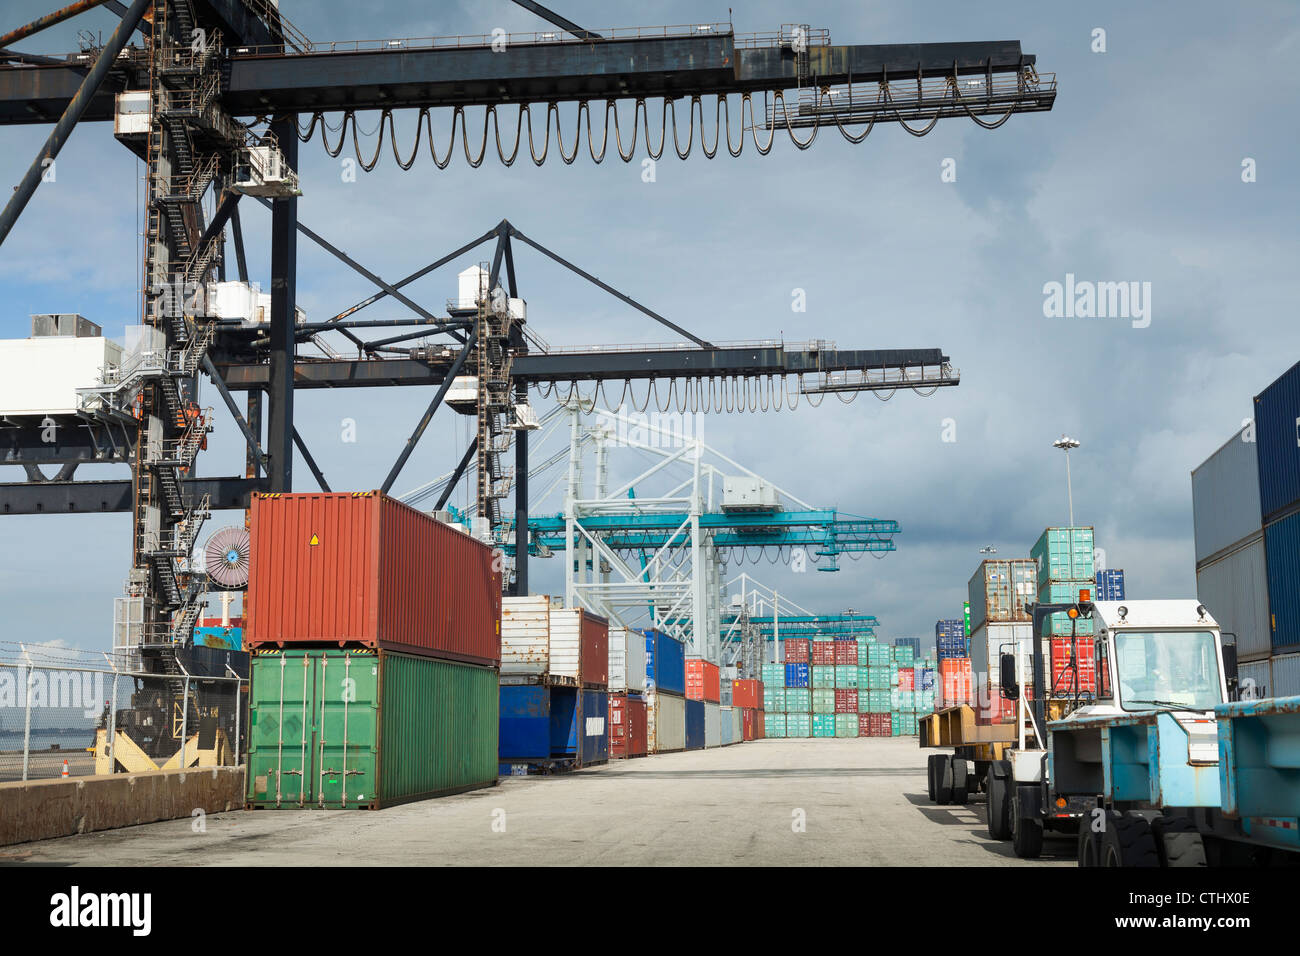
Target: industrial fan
226, 554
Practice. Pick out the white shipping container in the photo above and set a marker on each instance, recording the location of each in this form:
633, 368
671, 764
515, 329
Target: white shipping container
665, 723
1225, 497
566, 642
1235, 591
40, 376
737, 726
626, 661
725, 725
990, 640
525, 634
712, 724
1255, 680
1286, 676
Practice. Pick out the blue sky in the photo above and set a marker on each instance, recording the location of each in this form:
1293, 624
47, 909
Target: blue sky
1134, 176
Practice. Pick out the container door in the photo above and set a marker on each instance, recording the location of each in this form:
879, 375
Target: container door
281, 709
345, 770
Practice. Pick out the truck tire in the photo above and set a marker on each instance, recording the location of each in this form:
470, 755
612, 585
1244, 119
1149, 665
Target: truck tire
931, 775
1026, 835
961, 781
1128, 841
1178, 842
999, 806
943, 781
1089, 843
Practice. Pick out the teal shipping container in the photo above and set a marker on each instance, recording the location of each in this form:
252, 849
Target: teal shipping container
774, 699
798, 700
846, 725
823, 675
877, 701
904, 725
1065, 554
1064, 592
798, 725
823, 725
363, 729
878, 655
903, 655
774, 725
823, 700
773, 675
879, 678
846, 675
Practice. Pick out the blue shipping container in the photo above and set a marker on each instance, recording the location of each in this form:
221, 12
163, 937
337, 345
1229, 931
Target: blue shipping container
579, 724
1110, 585
1277, 444
1282, 556
221, 638
695, 725
926, 679
665, 664
525, 723
913, 642
797, 675
949, 628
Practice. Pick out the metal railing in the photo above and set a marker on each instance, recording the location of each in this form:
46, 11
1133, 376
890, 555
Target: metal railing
65, 712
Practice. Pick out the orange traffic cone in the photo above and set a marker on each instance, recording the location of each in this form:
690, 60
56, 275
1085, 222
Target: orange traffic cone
65, 768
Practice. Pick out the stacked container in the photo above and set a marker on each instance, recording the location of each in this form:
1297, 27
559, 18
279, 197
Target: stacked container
375, 632
627, 705
950, 638
666, 694
1065, 568
1109, 585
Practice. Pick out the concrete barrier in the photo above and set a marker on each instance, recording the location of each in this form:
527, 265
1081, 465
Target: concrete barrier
43, 809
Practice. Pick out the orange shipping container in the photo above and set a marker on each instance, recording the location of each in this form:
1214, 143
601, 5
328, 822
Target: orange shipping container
362, 568
747, 693
703, 681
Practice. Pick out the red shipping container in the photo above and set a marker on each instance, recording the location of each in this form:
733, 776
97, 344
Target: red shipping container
760, 725
879, 725
906, 678
846, 652
747, 723
846, 700
627, 726
1063, 677
796, 650
747, 693
955, 685
362, 568
865, 724
703, 680
823, 652
593, 663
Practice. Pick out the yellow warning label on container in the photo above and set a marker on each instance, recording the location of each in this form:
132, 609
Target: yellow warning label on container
314, 541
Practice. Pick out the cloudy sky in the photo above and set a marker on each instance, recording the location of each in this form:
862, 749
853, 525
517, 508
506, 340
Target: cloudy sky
1135, 176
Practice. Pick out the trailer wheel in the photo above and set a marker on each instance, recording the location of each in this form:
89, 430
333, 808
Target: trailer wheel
1089, 844
1026, 835
943, 781
999, 805
932, 775
1128, 841
1178, 842
961, 780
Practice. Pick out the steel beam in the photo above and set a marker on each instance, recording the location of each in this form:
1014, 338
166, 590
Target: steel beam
284, 278
311, 462
49, 20
85, 497
457, 475
550, 16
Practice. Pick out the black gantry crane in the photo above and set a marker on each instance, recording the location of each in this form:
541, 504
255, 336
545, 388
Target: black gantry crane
216, 97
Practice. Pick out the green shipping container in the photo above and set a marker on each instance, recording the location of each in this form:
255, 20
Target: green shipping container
904, 655
904, 725
774, 725
823, 725
823, 675
1064, 554
1060, 625
904, 700
878, 678
798, 700
823, 700
773, 675
877, 701
846, 675
774, 699
340, 729
925, 701
877, 655
798, 725
846, 725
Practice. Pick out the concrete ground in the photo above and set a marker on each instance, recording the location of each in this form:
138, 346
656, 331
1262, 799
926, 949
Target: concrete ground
861, 802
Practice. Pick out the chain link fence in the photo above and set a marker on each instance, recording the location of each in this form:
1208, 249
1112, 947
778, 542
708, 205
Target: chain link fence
64, 713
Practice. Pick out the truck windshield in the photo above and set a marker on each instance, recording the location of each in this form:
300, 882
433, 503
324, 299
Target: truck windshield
1167, 669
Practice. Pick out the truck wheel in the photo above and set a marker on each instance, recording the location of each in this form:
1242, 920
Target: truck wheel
943, 781
961, 780
932, 774
1089, 843
1026, 835
1178, 842
999, 806
1128, 841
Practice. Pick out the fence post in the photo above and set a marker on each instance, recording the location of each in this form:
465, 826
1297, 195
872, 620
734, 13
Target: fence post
112, 728
27, 719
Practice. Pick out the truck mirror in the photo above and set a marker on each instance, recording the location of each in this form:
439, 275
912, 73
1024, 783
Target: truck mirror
1230, 668
1007, 677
